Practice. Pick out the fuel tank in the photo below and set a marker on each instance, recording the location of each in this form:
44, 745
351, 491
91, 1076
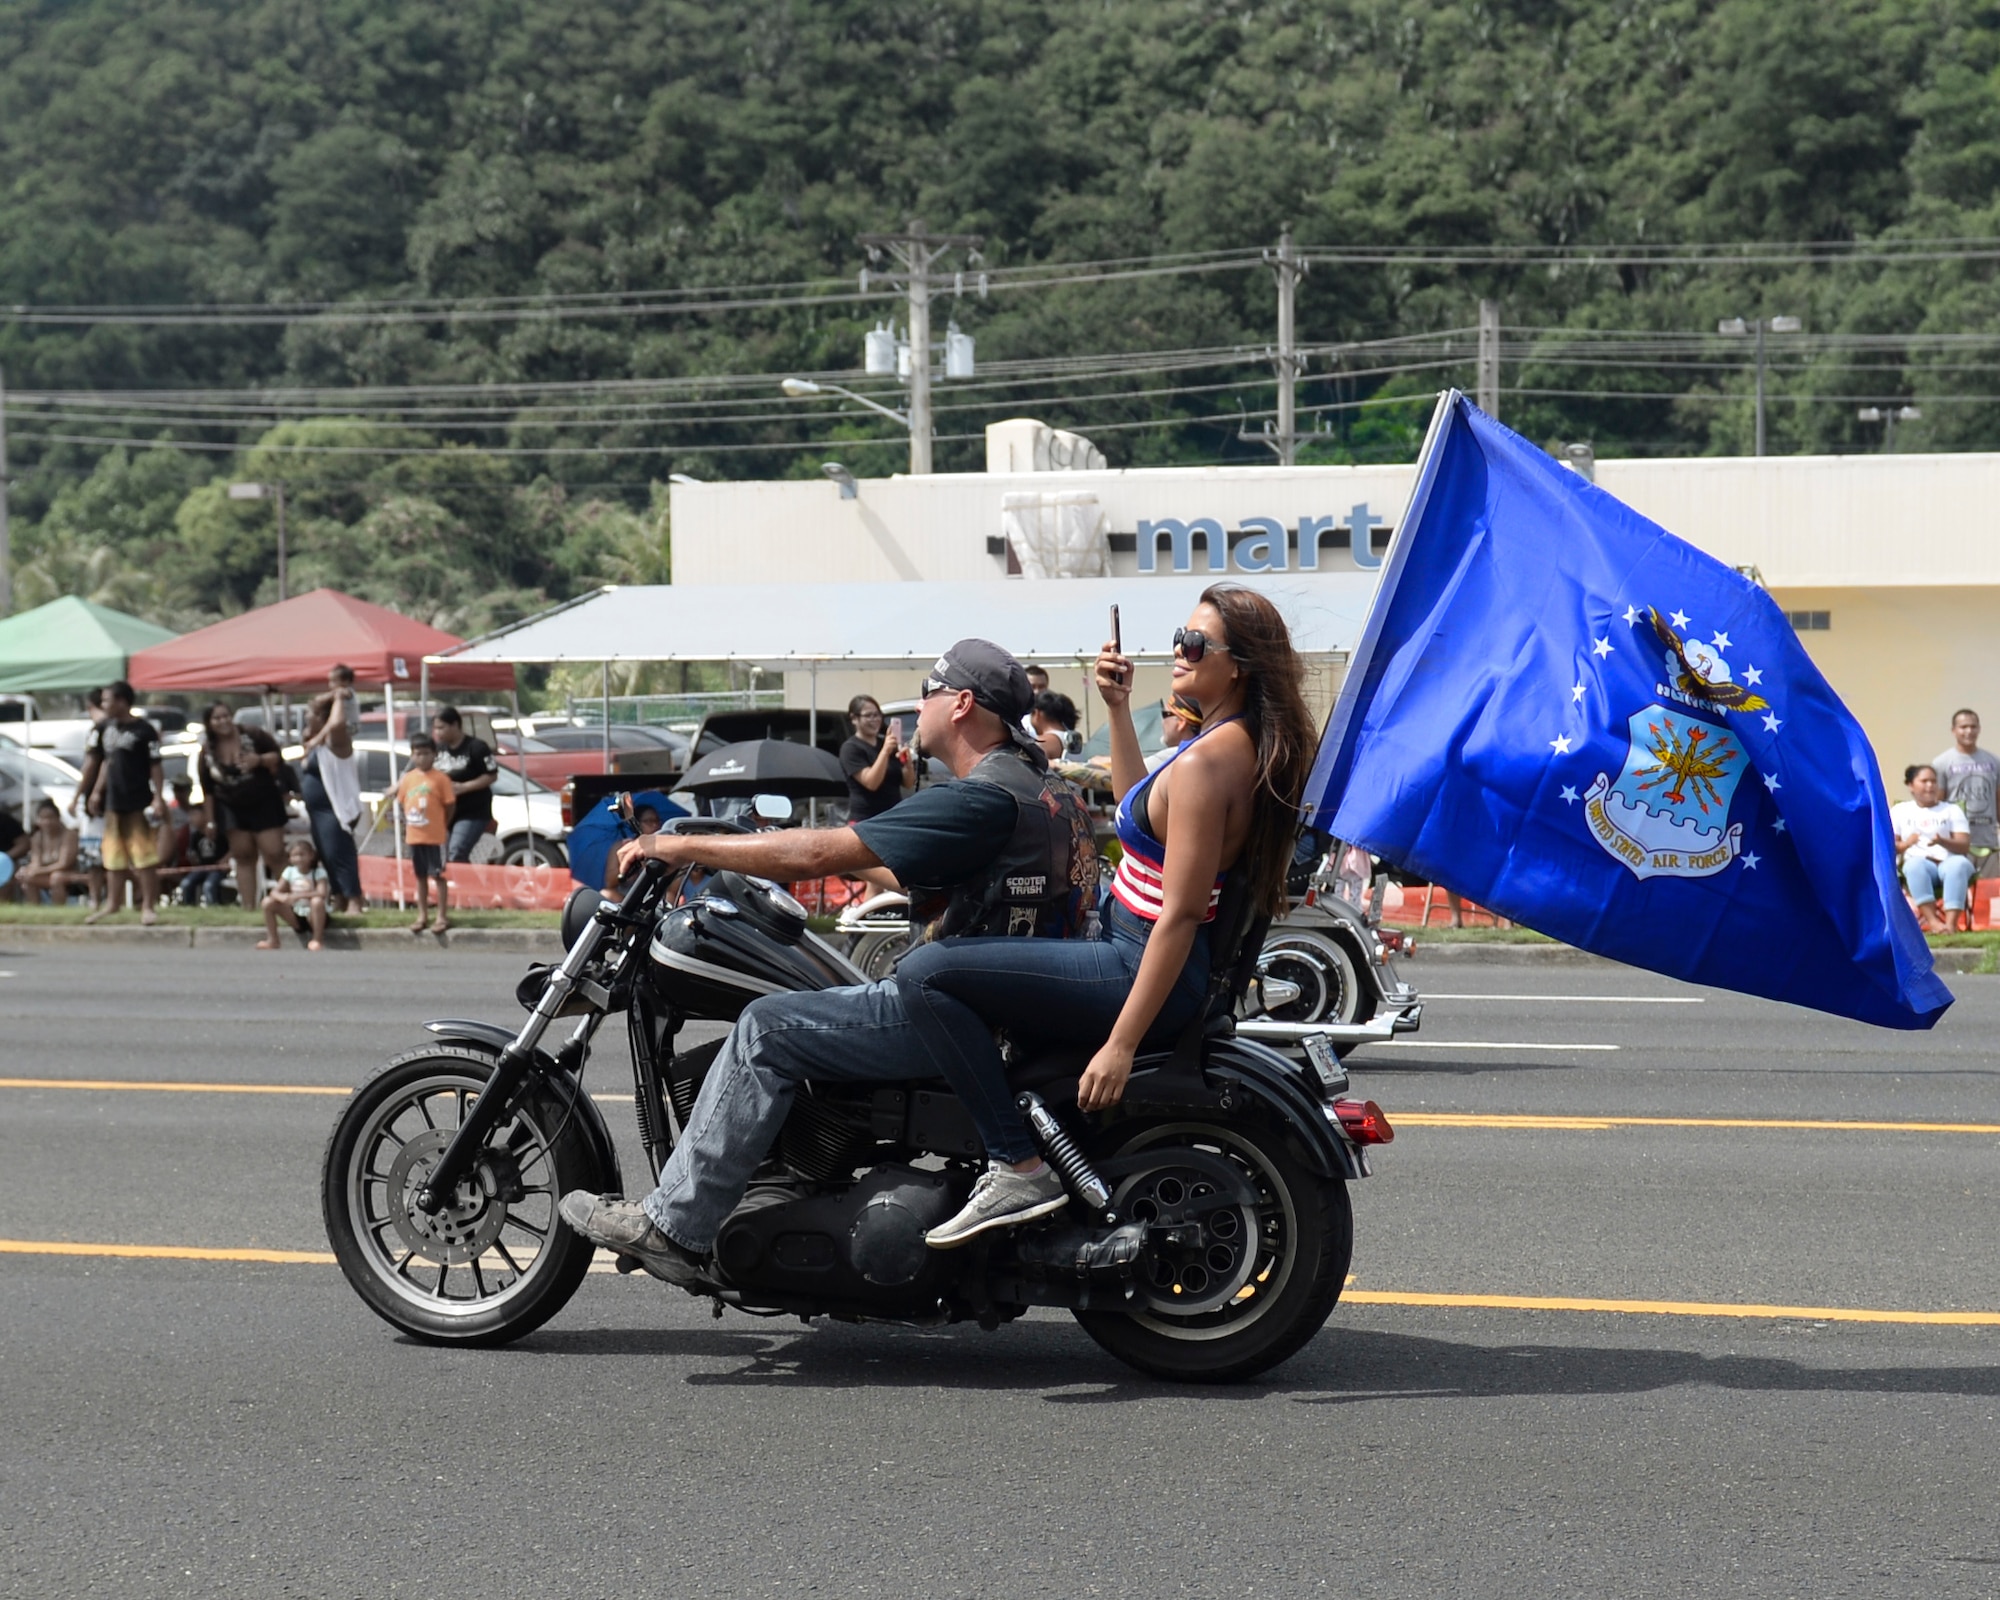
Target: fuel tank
741, 938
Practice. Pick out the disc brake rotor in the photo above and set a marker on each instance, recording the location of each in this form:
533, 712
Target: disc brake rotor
461, 1230
1201, 1241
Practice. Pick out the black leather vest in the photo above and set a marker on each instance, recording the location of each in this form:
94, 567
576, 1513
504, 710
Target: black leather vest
1042, 884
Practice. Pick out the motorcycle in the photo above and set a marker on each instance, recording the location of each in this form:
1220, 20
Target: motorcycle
1208, 1232
1329, 964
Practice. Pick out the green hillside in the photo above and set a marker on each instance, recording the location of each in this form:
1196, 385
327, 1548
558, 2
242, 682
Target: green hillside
510, 158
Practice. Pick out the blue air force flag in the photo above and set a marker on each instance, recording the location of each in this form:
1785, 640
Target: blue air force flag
1561, 711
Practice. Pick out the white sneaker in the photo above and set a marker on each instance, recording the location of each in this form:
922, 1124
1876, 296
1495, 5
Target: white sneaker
1002, 1198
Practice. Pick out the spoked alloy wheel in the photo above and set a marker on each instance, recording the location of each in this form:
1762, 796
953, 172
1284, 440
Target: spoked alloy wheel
1229, 1285
496, 1262
877, 953
1330, 987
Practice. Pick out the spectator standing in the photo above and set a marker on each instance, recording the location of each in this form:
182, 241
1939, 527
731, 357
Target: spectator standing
1053, 723
130, 795
1932, 840
424, 796
877, 768
468, 763
300, 893
52, 867
330, 786
1969, 778
90, 829
244, 799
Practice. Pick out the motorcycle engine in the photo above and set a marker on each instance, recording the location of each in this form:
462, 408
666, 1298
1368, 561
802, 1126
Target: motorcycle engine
863, 1245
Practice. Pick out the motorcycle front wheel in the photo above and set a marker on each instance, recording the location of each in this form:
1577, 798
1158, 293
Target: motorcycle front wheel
1240, 1287
497, 1261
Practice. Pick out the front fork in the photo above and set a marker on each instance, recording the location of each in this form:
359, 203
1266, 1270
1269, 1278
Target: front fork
511, 1071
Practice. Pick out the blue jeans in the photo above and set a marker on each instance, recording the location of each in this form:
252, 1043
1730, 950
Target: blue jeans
330, 837
463, 837
854, 1035
1044, 992
1922, 879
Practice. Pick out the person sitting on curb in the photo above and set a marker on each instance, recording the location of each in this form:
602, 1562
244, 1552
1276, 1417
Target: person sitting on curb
1932, 839
300, 891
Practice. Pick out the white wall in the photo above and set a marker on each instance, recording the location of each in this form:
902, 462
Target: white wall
1803, 521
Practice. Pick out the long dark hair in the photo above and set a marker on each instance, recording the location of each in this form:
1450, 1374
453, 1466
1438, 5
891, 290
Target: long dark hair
1274, 707
208, 723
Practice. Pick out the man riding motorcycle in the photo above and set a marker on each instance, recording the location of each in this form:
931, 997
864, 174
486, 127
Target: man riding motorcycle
1006, 850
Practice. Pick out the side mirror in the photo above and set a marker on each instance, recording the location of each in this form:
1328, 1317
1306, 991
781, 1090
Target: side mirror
772, 808
621, 803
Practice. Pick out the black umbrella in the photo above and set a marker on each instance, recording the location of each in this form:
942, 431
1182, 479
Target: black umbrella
766, 766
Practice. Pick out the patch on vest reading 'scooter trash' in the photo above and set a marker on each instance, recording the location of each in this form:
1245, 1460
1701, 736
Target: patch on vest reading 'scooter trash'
1021, 888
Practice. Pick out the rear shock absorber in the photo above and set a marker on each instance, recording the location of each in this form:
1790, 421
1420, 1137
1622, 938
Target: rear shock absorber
1061, 1152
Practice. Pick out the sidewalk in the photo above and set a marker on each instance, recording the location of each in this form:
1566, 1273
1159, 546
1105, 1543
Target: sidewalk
530, 941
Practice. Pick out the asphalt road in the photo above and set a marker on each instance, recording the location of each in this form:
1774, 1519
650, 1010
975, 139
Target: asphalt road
175, 1426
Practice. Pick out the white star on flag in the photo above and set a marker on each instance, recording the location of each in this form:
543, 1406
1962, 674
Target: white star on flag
1679, 619
1560, 745
1568, 795
1631, 615
1779, 825
1753, 676
1771, 722
1771, 782
1720, 641
1750, 859
1601, 649
1576, 694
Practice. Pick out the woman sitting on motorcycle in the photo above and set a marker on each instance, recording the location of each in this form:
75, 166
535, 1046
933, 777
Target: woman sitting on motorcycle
1229, 797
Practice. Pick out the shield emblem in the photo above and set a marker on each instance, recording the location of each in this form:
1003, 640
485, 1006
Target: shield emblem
1667, 814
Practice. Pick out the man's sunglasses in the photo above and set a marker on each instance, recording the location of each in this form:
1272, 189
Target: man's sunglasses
1193, 644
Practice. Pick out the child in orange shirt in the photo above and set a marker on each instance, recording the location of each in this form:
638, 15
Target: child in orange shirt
425, 798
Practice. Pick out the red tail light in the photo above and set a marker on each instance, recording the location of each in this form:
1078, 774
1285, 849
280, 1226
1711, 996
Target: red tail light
1363, 1121
569, 805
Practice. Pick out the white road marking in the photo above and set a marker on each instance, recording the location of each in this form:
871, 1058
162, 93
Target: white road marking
1482, 1044
1586, 999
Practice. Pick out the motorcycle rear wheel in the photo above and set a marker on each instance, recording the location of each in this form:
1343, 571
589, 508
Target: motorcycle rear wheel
1275, 1282
498, 1261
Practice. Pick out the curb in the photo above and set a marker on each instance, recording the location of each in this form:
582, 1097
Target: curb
538, 941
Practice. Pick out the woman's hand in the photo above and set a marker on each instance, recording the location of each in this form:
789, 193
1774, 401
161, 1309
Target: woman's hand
1114, 676
1103, 1082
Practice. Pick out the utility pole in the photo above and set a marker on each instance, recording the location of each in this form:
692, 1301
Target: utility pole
1488, 381
915, 252
1287, 266
6, 544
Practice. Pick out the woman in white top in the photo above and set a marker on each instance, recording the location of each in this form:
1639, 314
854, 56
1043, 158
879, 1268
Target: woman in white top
1932, 840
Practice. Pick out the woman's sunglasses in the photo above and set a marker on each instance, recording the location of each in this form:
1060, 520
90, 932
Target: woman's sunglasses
1193, 644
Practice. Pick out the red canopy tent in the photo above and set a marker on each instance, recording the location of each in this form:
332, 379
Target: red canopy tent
290, 646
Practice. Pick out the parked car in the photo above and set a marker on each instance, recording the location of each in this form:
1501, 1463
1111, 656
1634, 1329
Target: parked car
48, 777
529, 824
719, 728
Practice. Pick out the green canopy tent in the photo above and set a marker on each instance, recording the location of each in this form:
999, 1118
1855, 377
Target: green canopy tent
67, 645
70, 644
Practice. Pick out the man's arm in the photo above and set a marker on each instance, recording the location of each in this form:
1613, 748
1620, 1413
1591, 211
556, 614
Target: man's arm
785, 856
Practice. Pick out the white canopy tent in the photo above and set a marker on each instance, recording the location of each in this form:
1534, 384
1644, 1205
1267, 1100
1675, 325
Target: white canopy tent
779, 625
863, 625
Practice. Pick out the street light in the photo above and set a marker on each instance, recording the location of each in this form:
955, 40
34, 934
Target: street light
1888, 416
257, 491
804, 389
1738, 328
849, 489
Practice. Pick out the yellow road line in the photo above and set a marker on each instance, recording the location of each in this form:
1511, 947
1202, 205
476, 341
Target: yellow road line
1669, 1308
163, 1252
1456, 1119
1366, 1297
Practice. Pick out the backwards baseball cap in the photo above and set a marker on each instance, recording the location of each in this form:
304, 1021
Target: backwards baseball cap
996, 681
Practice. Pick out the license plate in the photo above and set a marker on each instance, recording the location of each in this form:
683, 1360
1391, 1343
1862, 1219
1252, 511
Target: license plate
1319, 1051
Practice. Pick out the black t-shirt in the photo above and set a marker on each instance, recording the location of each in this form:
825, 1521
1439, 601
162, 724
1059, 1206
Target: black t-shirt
856, 757
11, 832
942, 835
131, 749
472, 759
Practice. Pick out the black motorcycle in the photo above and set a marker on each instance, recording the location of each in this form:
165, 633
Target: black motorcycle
1208, 1231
